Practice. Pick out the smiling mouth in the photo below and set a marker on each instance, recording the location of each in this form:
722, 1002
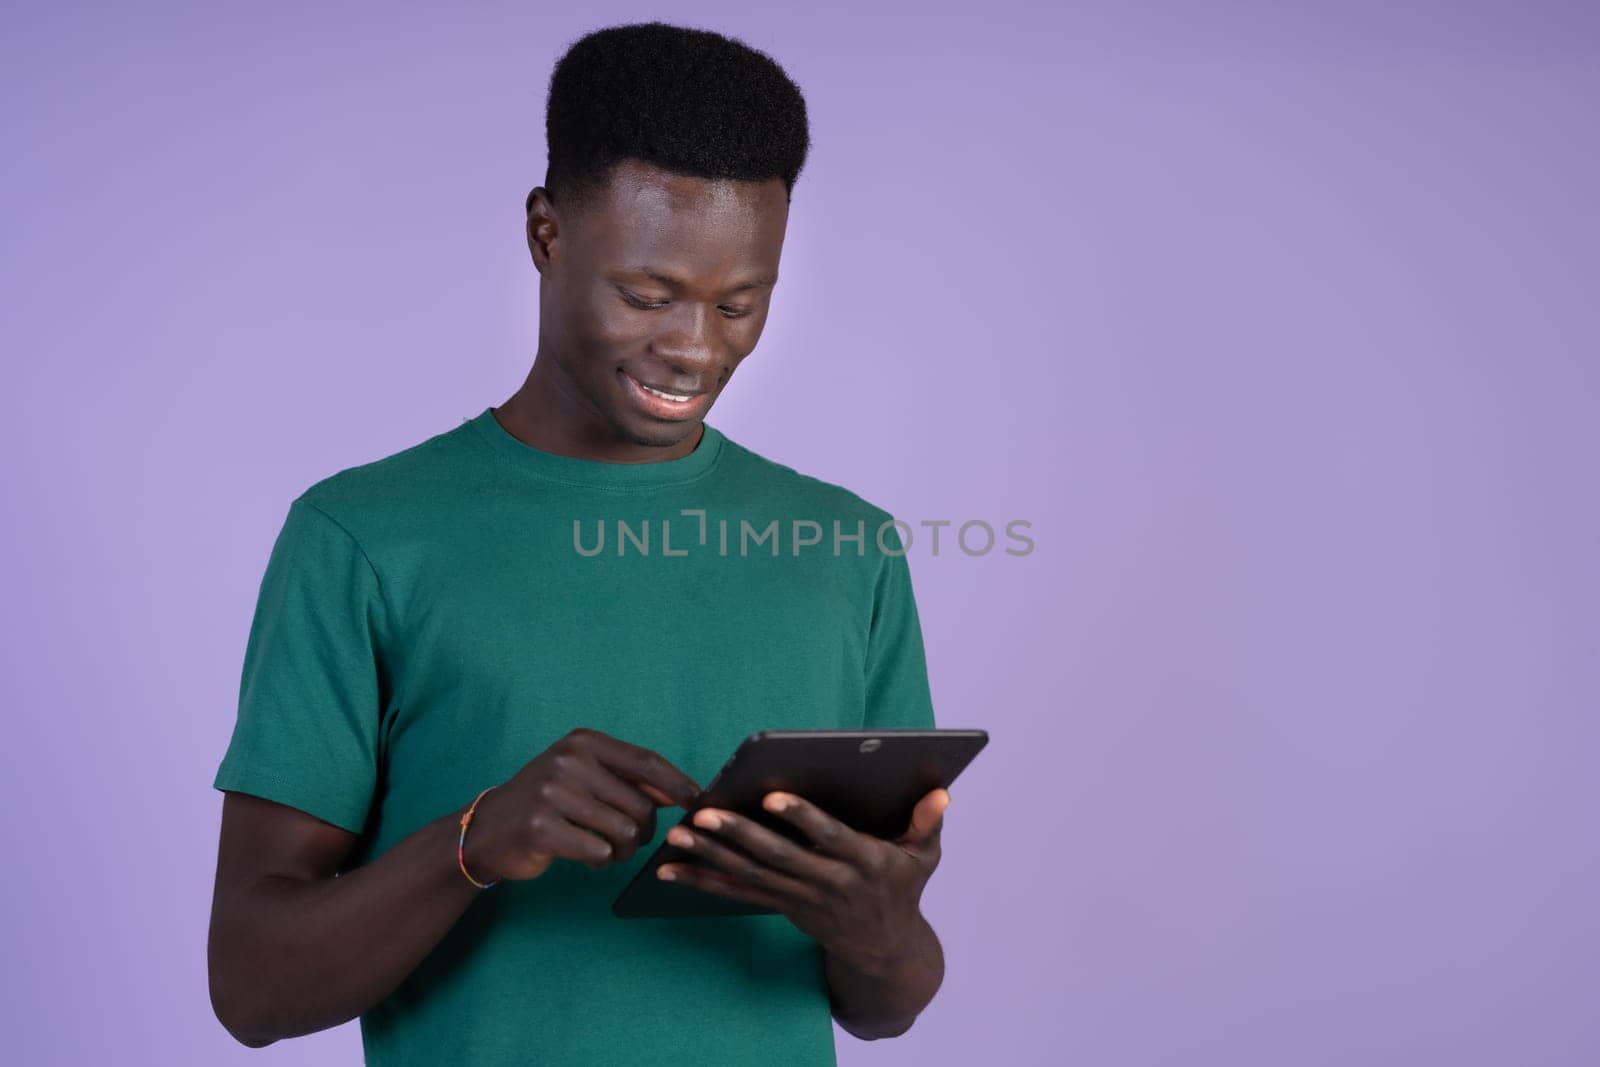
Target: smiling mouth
665, 403
680, 398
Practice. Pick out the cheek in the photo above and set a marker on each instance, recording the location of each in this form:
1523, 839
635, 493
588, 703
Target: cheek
742, 341
599, 327
748, 333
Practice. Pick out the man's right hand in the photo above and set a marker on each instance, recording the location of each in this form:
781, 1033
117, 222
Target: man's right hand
589, 798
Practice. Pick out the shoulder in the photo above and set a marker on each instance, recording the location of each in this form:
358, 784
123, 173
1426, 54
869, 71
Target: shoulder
770, 481
395, 485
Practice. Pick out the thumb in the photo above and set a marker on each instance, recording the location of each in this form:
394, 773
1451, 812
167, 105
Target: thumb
927, 817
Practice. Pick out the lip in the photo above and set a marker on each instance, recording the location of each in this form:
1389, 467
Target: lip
659, 406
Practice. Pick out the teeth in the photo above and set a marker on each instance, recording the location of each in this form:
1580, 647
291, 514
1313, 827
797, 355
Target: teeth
666, 396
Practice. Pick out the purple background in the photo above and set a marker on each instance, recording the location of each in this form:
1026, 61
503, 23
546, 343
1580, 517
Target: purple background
1278, 323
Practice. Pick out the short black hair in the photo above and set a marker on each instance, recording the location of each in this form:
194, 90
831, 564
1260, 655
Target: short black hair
689, 101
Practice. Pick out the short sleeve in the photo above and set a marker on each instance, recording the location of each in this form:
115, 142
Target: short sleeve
897, 673
309, 699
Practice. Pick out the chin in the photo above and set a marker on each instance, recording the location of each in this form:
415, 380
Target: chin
653, 434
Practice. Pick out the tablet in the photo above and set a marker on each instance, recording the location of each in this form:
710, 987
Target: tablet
870, 780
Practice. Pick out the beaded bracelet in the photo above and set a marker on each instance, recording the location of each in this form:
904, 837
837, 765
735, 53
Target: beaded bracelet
461, 843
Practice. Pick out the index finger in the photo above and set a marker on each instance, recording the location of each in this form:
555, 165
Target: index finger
652, 772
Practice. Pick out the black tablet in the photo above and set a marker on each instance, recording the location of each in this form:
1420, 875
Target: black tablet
870, 780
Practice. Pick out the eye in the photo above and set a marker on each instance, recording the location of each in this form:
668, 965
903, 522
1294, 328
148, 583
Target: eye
639, 301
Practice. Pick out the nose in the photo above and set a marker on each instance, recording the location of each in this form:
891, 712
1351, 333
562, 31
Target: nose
691, 343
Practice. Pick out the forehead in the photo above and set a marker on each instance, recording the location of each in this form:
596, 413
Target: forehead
648, 217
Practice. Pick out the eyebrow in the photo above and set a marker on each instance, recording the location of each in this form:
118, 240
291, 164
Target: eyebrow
674, 283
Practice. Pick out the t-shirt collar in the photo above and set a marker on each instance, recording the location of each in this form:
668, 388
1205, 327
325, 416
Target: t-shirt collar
575, 471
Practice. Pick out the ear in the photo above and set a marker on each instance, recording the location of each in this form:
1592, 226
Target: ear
541, 227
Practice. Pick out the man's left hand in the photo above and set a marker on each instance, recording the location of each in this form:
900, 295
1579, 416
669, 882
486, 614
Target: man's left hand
856, 895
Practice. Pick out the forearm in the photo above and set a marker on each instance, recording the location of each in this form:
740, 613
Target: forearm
304, 955
873, 999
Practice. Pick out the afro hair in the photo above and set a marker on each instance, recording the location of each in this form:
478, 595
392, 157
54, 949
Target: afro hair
688, 101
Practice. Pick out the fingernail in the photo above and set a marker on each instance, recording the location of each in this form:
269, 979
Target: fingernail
707, 819
680, 837
666, 874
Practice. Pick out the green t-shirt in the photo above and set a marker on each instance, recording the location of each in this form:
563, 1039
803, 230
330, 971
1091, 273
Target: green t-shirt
430, 622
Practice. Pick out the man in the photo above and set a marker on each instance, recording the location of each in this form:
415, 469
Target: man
581, 601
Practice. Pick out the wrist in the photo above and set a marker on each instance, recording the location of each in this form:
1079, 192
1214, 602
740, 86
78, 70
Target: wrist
473, 866
882, 959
